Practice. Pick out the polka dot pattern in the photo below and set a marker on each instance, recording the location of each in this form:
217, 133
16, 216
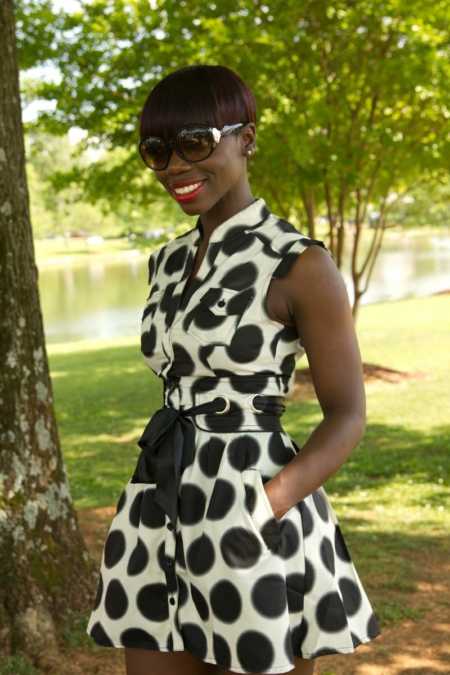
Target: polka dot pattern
139, 559
114, 548
229, 582
226, 601
116, 599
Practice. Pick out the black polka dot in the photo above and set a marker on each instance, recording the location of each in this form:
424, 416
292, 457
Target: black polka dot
192, 502
279, 453
271, 533
185, 365
210, 455
151, 601
225, 601
151, 513
138, 639
295, 586
138, 560
373, 627
200, 603
265, 421
320, 505
255, 651
310, 575
246, 344
269, 595
243, 451
289, 539
183, 593
250, 497
116, 600
204, 320
351, 595
340, 545
200, 555
222, 652
241, 276
238, 303
246, 385
134, 514
175, 261
194, 639
327, 554
299, 635
100, 636
151, 269
179, 550
148, 342
161, 555
240, 548
307, 519
330, 614
287, 365
114, 548
121, 502
222, 499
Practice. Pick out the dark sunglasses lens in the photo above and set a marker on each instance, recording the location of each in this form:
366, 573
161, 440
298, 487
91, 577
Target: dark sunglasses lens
154, 153
195, 144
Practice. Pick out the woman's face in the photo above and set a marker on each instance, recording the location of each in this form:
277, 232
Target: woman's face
221, 173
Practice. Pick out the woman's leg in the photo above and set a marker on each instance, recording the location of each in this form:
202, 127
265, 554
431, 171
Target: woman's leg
151, 662
302, 667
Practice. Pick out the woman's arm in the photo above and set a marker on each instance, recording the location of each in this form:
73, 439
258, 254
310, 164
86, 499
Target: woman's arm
319, 306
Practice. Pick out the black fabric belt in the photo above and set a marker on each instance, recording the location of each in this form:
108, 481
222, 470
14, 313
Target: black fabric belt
168, 446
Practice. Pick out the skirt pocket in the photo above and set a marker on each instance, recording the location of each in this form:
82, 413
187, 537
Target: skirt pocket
258, 509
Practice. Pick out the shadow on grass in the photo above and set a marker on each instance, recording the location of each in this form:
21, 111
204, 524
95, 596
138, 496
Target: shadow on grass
387, 455
103, 399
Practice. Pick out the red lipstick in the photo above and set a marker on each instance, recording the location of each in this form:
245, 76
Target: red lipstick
189, 195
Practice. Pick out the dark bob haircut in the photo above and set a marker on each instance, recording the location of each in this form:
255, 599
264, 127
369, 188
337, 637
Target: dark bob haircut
213, 95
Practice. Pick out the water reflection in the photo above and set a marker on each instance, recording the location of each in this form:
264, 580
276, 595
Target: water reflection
105, 300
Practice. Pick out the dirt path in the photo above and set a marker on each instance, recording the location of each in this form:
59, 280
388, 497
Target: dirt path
412, 647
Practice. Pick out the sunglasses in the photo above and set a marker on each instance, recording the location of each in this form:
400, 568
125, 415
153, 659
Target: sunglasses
193, 143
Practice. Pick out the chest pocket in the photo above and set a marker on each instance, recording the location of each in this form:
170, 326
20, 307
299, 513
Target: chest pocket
218, 314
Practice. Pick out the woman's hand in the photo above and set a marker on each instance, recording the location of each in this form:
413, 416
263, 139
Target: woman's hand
277, 508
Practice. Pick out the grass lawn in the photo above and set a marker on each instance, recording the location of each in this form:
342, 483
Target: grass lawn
391, 496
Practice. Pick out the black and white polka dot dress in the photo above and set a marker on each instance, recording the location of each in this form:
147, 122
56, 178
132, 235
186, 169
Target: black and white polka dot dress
195, 558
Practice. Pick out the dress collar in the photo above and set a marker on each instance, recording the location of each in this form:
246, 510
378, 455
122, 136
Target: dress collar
250, 216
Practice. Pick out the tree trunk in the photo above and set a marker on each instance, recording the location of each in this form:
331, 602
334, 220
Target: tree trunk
45, 570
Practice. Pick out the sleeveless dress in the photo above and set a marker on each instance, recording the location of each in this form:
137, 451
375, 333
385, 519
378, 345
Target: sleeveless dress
195, 558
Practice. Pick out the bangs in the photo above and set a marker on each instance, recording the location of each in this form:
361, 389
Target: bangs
203, 94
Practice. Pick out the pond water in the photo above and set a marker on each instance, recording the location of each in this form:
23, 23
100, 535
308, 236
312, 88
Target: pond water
105, 300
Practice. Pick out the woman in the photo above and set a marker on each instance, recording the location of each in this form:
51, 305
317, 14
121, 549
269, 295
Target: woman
225, 555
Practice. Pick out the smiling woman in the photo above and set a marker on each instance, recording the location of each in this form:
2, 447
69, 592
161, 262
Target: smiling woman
225, 554
198, 125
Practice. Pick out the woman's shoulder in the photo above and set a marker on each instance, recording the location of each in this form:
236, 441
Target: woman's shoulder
289, 243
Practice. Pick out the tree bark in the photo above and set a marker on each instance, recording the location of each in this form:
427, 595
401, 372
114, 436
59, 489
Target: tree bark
45, 569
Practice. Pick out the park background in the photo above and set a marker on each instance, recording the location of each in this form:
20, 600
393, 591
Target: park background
353, 148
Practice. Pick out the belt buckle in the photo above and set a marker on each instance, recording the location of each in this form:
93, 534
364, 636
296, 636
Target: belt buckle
252, 405
227, 405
